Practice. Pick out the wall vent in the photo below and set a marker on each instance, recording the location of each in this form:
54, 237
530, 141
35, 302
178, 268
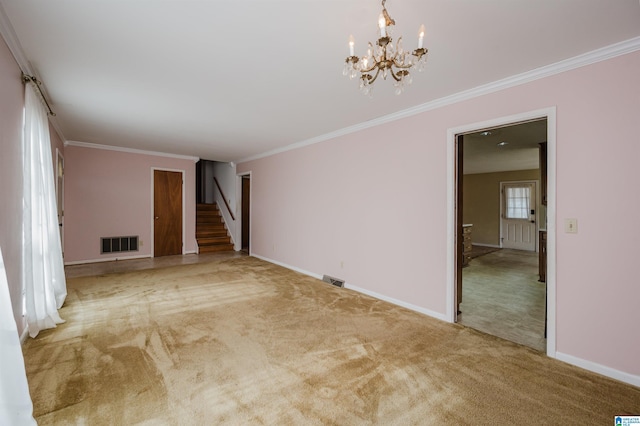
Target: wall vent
333, 281
118, 244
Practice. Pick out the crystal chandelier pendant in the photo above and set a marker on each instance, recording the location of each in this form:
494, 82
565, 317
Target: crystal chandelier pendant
386, 59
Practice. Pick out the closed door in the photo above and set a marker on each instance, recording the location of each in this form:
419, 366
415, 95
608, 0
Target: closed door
518, 220
167, 212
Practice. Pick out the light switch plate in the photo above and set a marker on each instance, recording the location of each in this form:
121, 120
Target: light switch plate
571, 226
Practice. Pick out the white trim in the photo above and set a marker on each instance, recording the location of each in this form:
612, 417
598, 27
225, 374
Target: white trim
107, 259
550, 114
370, 293
184, 208
24, 335
631, 379
226, 220
598, 55
284, 265
428, 312
130, 150
13, 43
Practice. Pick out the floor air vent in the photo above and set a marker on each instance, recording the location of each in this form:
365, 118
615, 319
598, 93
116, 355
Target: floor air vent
118, 244
333, 281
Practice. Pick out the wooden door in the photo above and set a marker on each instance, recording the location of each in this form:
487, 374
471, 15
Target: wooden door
167, 213
246, 190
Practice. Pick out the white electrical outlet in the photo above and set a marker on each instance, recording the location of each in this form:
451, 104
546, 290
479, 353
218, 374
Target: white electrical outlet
571, 226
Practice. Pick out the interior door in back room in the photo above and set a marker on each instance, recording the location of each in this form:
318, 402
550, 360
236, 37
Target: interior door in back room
518, 215
167, 213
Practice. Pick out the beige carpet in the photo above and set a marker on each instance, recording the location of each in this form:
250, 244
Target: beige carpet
242, 341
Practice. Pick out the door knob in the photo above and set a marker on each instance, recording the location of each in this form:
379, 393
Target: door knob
156, 217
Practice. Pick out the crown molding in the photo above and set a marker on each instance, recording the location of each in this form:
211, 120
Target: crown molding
130, 150
598, 55
11, 38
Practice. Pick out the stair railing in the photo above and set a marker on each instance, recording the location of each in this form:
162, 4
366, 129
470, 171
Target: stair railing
224, 198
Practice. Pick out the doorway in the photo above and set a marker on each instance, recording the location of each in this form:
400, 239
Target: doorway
60, 195
246, 209
460, 142
168, 215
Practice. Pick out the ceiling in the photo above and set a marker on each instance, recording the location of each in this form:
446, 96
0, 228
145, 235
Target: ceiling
228, 80
514, 147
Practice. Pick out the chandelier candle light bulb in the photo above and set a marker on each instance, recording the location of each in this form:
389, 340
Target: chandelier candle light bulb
385, 58
382, 24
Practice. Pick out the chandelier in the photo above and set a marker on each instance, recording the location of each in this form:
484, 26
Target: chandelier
385, 58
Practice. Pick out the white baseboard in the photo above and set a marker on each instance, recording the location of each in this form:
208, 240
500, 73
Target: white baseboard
631, 379
397, 302
284, 265
106, 259
569, 359
373, 294
486, 245
24, 335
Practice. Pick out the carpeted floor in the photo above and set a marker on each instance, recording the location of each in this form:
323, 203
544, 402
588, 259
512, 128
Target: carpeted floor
477, 251
242, 341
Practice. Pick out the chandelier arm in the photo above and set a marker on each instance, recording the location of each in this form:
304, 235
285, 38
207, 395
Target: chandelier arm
393, 74
404, 67
375, 64
375, 76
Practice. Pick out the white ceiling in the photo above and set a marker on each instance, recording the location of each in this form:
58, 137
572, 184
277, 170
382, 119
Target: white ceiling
227, 80
514, 147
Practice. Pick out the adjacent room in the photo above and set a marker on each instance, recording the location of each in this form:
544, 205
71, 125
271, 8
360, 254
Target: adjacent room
315, 212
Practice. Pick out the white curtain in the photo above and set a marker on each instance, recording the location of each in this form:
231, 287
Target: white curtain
15, 403
43, 269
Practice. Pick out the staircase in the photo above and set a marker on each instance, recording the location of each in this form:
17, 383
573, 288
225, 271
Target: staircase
211, 234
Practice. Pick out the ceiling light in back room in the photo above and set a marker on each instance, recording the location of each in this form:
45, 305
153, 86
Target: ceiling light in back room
503, 143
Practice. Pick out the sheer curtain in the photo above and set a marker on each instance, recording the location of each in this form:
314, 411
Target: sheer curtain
15, 403
43, 270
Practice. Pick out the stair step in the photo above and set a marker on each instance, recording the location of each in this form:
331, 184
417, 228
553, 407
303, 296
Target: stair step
201, 233
206, 206
211, 234
215, 248
211, 227
213, 240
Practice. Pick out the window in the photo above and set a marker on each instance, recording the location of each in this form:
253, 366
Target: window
517, 199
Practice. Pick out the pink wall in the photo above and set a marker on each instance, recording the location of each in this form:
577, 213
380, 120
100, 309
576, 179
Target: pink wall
11, 106
108, 194
376, 200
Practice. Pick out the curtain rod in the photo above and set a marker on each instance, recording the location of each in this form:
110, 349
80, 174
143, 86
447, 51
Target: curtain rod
29, 78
